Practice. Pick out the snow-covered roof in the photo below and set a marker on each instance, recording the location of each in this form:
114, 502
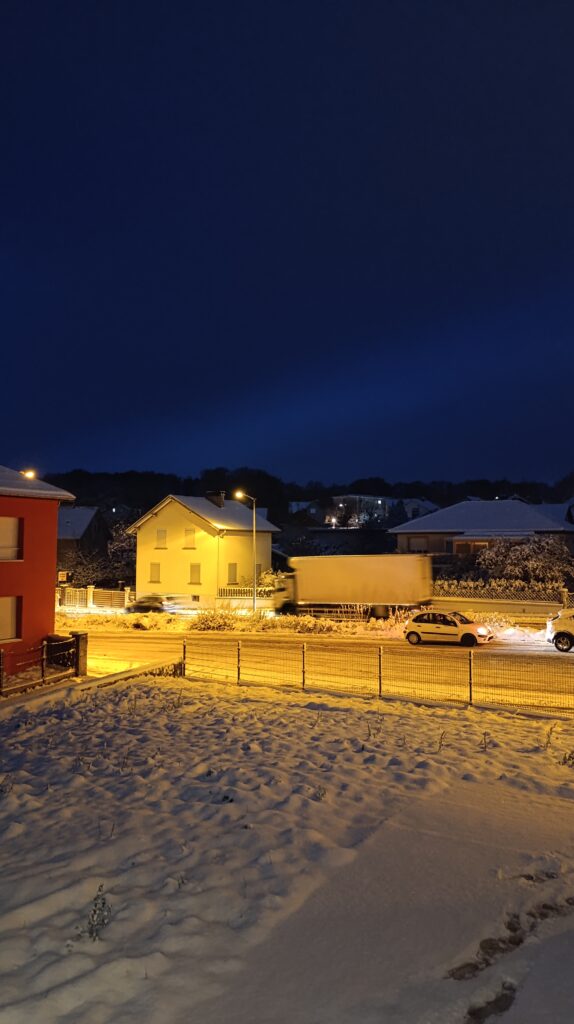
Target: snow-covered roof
13, 484
73, 522
234, 515
500, 518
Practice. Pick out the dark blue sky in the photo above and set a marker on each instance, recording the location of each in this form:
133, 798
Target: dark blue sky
330, 239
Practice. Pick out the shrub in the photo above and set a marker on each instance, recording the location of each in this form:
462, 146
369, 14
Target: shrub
214, 620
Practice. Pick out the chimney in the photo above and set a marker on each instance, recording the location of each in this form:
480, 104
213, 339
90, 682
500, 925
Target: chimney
216, 498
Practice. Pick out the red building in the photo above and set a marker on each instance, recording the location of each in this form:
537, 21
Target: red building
28, 542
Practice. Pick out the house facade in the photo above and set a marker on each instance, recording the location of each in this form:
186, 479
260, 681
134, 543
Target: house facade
200, 549
469, 526
28, 541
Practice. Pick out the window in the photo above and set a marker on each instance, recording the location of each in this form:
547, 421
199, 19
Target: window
154, 572
418, 543
195, 572
161, 538
10, 538
232, 574
10, 618
189, 541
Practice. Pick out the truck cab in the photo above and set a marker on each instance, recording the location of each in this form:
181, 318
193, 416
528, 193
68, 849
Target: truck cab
284, 593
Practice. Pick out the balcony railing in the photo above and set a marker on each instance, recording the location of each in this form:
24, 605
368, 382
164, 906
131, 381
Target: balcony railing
242, 592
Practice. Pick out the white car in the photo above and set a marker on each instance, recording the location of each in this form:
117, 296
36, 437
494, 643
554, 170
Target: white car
560, 630
446, 627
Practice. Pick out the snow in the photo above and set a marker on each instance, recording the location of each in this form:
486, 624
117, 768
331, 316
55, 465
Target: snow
271, 858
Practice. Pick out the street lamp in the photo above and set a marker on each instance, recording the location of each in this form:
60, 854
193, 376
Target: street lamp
240, 495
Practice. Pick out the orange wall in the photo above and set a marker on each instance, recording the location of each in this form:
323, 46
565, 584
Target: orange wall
34, 578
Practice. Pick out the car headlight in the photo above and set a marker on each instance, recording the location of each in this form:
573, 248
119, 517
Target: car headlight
482, 631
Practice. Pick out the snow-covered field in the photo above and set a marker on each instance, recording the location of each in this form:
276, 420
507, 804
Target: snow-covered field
175, 853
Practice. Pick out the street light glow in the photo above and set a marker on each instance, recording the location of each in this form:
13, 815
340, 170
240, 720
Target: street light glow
239, 495
30, 474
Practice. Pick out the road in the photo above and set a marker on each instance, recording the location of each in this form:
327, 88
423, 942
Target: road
514, 674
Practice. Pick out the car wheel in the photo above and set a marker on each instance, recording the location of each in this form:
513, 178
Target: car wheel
468, 640
413, 638
563, 642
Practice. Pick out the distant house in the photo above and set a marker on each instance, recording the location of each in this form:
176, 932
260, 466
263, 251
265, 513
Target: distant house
359, 509
28, 539
470, 525
81, 531
200, 548
307, 511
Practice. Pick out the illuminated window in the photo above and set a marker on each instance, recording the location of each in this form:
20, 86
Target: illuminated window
189, 541
10, 618
154, 572
232, 574
161, 538
10, 539
195, 572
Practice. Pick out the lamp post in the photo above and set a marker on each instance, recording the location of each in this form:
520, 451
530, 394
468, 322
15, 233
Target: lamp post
240, 495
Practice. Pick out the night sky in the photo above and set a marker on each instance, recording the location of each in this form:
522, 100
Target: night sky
329, 239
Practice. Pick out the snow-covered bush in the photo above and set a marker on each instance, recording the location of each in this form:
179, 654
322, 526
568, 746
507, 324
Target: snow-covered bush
214, 620
544, 560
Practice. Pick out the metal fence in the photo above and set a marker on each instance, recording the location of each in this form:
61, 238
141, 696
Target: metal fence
109, 598
543, 682
92, 597
499, 590
72, 597
53, 659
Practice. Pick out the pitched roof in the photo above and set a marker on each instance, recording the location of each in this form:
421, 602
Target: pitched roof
233, 516
73, 522
12, 483
500, 518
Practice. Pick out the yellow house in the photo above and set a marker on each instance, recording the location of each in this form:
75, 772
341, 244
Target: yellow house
200, 549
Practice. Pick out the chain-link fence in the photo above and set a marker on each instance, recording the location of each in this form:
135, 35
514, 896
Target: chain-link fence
539, 682
499, 590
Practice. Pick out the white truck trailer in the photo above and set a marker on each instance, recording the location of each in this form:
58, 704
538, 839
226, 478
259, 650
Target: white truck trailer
377, 582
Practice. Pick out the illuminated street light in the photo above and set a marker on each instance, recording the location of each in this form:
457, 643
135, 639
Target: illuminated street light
30, 474
240, 495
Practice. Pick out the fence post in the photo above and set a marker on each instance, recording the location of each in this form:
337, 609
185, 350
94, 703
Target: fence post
44, 659
81, 653
238, 662
90, 597
303, 663
127, 596
1, 671
380, 672
470, 663
184, 659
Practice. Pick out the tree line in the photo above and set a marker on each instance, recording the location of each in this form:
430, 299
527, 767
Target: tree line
137, 491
